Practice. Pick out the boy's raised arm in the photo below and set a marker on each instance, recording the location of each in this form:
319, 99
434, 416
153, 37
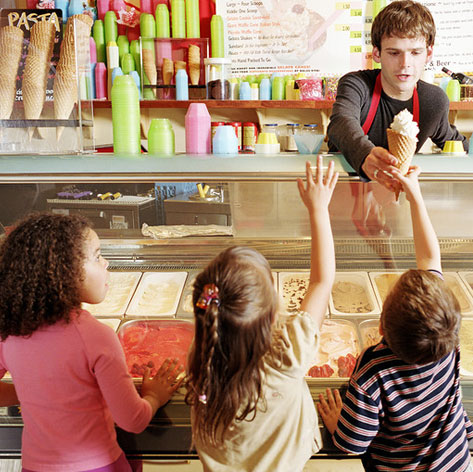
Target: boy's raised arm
425, 240
316, 195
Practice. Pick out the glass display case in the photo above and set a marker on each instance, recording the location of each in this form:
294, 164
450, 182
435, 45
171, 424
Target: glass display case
193, 207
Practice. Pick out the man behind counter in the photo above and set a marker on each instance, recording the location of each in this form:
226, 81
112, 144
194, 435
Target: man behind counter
403, 35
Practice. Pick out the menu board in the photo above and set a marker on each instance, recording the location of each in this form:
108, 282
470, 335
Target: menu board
330, 37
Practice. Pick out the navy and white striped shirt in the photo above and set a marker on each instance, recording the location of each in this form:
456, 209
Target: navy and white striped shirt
406, 417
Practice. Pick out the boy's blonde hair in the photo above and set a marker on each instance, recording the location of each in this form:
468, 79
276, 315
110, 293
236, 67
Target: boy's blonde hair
421, 318
405, 19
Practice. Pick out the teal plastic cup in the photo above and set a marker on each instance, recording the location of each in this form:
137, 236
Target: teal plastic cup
161, 139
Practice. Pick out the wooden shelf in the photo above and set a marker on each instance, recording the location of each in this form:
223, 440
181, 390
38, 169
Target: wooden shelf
251, 104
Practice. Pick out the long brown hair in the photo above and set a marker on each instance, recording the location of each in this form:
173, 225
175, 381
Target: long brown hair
225, 373
41, 267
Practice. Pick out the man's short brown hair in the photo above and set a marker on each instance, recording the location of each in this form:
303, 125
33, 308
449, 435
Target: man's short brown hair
405, 19
421, 318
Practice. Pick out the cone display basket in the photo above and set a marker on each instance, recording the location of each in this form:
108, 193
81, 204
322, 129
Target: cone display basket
48, 115
170, 55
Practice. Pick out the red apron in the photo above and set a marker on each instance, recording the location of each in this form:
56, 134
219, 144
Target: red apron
375, 102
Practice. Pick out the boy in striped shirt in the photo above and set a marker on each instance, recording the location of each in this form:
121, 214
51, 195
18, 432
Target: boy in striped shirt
403, 407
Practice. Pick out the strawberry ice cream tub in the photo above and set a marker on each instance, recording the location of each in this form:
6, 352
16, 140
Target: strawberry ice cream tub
147, 343
339, 347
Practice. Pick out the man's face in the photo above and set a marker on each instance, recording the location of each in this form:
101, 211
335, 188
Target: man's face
402, 63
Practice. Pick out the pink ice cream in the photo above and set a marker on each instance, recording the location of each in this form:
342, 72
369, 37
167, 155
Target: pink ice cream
149, 343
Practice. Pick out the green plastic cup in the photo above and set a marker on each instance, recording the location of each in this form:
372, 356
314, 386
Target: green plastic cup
161, 140
126, 116
192, 19
123, 45
111, 28
147, 26
278, 89
178, 18
127, 63
162, 21
98, 32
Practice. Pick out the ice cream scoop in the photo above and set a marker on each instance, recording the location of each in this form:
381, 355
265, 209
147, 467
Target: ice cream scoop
404, 124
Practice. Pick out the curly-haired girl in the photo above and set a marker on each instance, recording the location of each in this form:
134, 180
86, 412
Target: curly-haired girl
68, 369
251, 408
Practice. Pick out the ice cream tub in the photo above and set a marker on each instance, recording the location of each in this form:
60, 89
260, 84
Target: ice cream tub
382, 283
466, 348
122, 285
352, 294
339, 347
369, 333
292, 287
467, 279
147, 343
456, 285
157, 294
185, 308
114, 323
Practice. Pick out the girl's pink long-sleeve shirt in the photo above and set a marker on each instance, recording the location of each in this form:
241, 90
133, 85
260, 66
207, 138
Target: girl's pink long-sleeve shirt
73, 384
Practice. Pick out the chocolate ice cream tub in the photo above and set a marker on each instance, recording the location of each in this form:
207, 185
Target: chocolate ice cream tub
292, 287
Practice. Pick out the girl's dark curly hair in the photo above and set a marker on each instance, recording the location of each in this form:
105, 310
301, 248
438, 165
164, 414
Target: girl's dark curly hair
225, 372
41, 268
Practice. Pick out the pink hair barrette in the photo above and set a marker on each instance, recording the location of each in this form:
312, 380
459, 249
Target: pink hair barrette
209, 294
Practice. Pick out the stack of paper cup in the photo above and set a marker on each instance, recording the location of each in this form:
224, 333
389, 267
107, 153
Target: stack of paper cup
126, 115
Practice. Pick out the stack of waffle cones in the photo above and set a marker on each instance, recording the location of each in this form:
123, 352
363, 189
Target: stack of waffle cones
11, 43
403, 148
149, 66
194, 64
37, 64
75, 45
168, 71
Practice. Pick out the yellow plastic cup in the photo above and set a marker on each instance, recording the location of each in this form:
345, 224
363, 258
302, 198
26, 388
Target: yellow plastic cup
267, 138
453, 147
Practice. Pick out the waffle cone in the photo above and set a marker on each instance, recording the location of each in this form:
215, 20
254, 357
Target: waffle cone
179, 65
168, 71
11, 43
403, 148
37, 66
65, 95
194, 64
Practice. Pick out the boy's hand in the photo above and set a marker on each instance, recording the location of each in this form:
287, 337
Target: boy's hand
316, 194
161, 387
330, 409
409, 182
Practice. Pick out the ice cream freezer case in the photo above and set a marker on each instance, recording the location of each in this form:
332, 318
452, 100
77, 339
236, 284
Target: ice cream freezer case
373, 243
